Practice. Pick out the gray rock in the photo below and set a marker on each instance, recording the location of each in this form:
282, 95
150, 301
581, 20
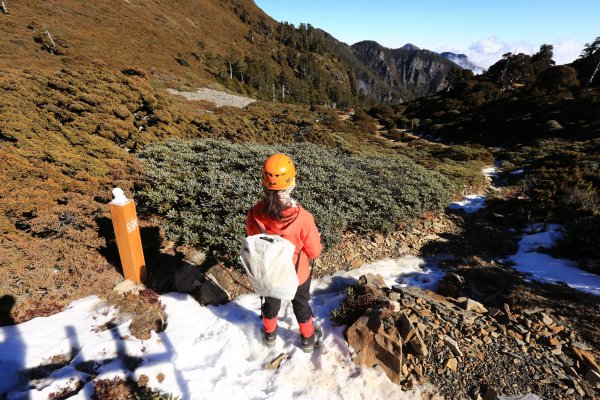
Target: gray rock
452, 345
375, 280
546, 319
211, 294
196, 257
581, 346
474, 306
528, 396
187, 278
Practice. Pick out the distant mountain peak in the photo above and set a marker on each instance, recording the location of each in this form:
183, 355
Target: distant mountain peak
462, 61
410, 46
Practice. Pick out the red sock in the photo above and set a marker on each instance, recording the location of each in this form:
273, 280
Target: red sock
306, 328
269, 324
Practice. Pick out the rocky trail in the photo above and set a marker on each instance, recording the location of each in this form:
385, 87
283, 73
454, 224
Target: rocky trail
468, 351
488, 331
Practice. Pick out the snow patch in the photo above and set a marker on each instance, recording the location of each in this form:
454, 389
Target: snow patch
469, 204
545, 268
206, 352
491, 172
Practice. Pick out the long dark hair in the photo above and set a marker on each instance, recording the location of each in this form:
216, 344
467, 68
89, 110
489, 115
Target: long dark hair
272, 204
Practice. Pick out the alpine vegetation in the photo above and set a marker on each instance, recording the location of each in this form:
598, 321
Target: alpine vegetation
203, 189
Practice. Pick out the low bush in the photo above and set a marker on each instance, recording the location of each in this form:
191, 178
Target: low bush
203, 189
359, 298
581, 237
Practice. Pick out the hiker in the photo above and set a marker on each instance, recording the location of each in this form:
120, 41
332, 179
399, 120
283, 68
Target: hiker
279, 214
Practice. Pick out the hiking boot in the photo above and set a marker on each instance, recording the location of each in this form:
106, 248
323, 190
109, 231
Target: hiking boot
269, 338
309, 343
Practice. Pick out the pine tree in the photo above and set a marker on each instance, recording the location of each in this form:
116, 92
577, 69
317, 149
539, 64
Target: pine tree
591, 53
542, 60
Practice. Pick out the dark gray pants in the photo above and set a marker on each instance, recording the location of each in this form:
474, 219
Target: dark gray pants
300, 304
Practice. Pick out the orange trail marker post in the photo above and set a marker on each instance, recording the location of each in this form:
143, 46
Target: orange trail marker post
127, 232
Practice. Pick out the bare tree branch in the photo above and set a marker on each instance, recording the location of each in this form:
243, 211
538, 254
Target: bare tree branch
51, 48
594, 73
3, 7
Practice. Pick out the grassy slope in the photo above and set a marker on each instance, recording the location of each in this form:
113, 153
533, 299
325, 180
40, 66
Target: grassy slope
150, 33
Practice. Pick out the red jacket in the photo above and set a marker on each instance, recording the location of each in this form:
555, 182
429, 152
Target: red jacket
297, 226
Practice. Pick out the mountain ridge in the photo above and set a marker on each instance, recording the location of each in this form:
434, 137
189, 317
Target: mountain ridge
422, 72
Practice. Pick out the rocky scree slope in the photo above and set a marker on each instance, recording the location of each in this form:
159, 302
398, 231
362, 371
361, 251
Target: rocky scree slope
467, 351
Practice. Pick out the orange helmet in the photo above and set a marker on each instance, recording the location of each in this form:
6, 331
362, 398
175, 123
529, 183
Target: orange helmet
278, 172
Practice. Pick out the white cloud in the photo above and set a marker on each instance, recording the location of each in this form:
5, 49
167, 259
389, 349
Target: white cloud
486, 52
567, 50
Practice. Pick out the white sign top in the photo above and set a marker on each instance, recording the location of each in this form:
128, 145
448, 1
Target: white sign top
119, 196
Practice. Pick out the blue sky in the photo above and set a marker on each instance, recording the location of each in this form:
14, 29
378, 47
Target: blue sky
484, 30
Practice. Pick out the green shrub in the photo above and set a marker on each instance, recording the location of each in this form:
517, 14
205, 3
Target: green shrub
203, 189
581, 237
553, 125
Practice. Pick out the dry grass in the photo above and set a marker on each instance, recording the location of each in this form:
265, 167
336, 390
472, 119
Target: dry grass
157, 33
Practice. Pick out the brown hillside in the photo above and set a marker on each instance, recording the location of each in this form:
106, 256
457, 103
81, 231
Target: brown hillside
150, 34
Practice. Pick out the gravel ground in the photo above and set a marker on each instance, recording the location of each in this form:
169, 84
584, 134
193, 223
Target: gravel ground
214, 96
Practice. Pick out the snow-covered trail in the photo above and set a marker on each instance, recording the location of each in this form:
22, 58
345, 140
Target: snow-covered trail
530, 257
204, 352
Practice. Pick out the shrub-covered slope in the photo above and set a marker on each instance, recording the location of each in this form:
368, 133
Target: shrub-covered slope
518, 99
204, 188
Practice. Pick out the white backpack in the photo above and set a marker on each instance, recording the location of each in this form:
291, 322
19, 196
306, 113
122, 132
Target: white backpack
268, 261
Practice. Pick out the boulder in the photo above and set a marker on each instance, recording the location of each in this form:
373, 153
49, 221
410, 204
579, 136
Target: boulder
474, 306
211, 294
373, 345
375, 280
187, 278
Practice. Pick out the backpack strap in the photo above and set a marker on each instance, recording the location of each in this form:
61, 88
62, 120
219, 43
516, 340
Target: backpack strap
256, 222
